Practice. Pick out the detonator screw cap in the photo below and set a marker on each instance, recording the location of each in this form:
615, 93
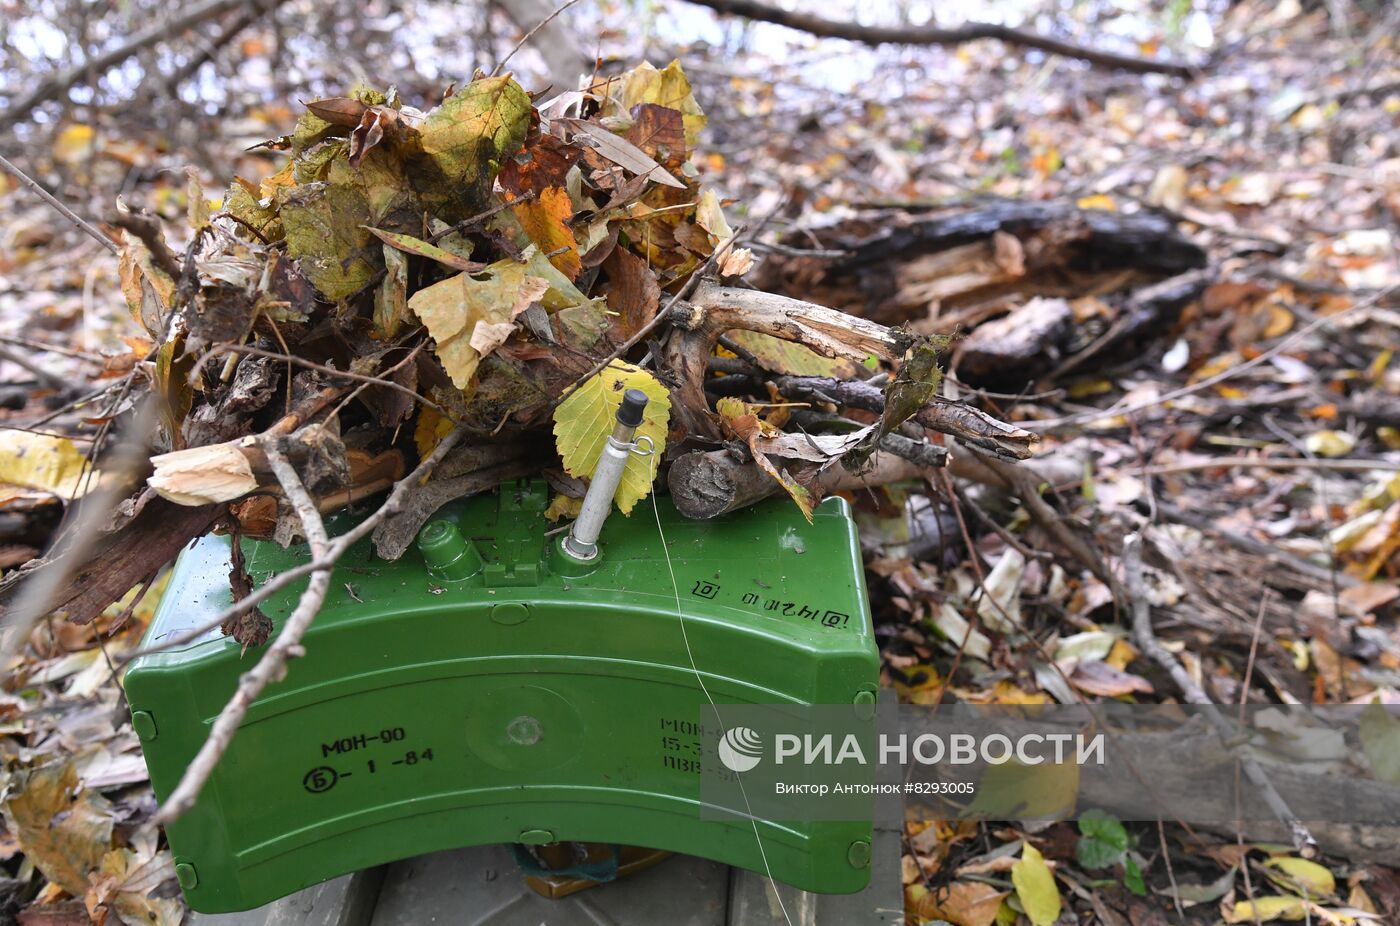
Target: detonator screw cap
634, 402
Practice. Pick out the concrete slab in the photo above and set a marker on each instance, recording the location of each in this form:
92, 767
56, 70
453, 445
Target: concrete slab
346, 901
482, 886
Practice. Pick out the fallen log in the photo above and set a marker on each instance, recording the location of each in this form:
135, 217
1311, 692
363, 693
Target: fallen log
952, 269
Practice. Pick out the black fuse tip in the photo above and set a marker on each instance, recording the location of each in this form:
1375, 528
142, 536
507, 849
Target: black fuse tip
630, 411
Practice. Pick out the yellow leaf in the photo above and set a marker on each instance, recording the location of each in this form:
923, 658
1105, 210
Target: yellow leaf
562, 506
584, 420
429, 430
1086, 387
544, 220
790, 358
39, 461
1121, 654
63, 828
1329, 443
1035, 887
1280, 321
1309, 876
74, 144
1266, 909
709, 216
391, 296
453, 308
1097, 201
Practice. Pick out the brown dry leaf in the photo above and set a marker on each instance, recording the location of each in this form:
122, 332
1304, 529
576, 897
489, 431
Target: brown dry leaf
633, 292
620, 151
749, 428
64, 829
963, 903
341, 110
1369, 596
667, 87
660, 132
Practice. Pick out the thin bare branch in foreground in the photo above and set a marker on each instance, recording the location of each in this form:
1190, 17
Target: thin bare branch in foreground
273, 664
1147, 641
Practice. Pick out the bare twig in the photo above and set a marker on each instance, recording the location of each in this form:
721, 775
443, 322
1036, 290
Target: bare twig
1338, 465
256, 10
531, 34
935, 35
45, 378
1148, 643
147, 227
273, 664
165, 28
36, 344
63, 210
320, 368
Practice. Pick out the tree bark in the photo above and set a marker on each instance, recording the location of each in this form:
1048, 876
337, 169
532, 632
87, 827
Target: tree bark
707, 485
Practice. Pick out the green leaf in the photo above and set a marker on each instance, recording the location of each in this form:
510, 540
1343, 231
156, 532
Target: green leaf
1014, 790
463, 142
411, 245
790, 358
326, 220
1035, 887
1104, 840
584, 420
912, 388
1132, 877
325, 233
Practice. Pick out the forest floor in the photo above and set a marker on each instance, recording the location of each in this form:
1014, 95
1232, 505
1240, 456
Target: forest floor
1247, 436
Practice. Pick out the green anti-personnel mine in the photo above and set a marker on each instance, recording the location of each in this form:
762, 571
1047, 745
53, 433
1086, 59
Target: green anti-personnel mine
489, 687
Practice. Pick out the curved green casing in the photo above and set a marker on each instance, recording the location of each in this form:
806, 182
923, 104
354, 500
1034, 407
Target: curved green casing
506, 694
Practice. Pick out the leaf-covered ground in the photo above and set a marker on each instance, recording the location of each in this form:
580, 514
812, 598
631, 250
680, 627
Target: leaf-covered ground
1247, 431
